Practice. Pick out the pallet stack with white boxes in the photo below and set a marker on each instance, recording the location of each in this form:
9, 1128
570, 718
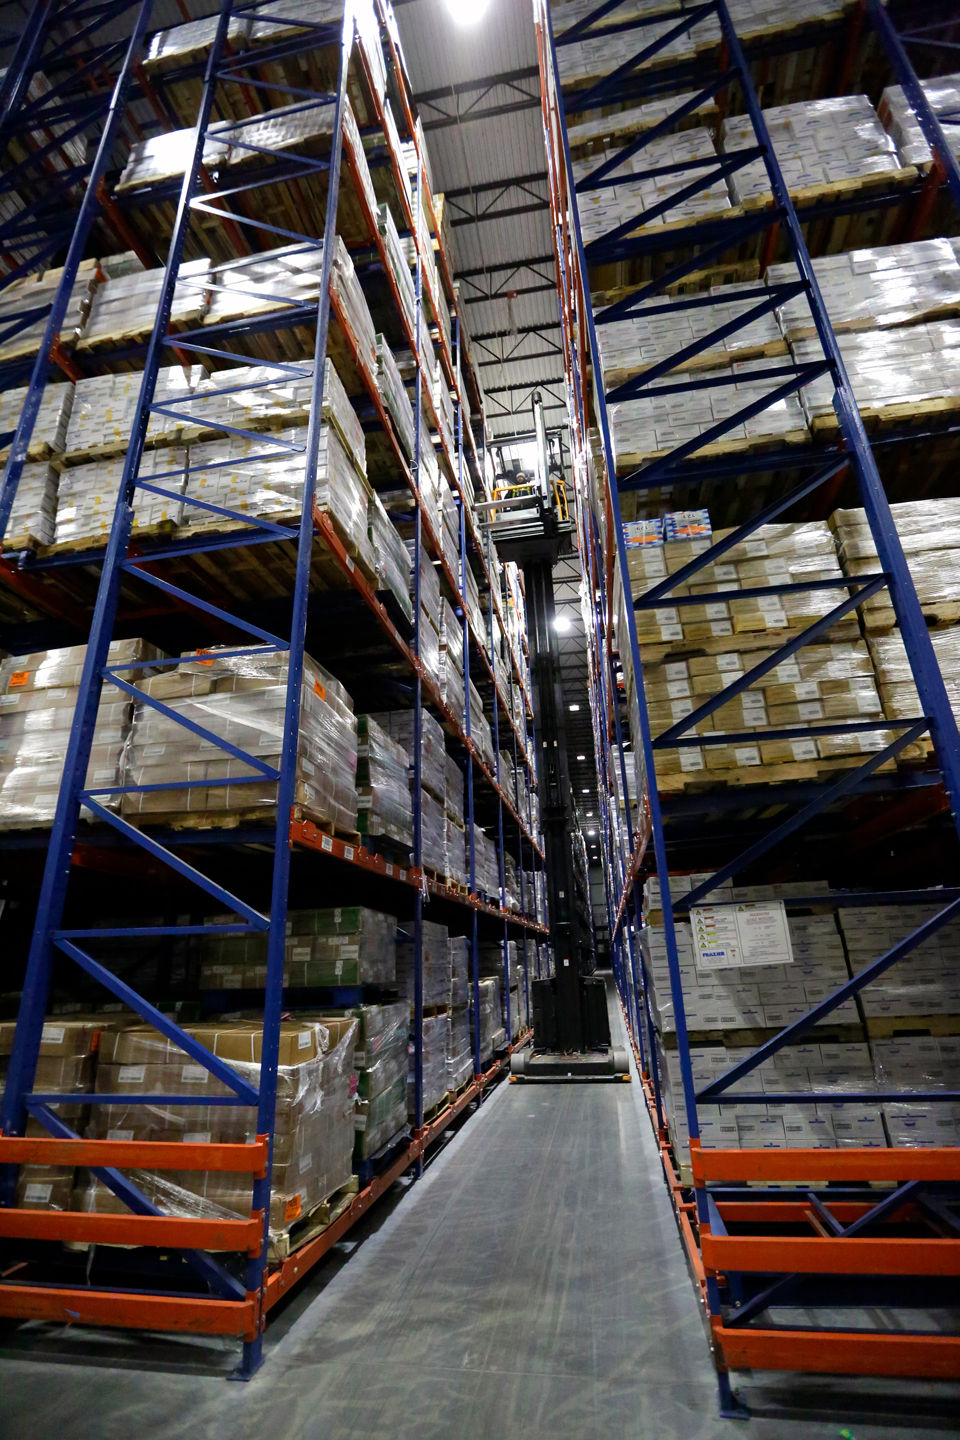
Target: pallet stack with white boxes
901, 1033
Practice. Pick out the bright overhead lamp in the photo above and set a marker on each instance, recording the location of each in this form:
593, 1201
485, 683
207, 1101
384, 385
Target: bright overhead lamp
581, 757
562, 624
467, 12
574, 707
592, 832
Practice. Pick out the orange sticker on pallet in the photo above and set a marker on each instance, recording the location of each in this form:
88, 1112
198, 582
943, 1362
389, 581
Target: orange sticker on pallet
19, 678
319, 690
292, 1208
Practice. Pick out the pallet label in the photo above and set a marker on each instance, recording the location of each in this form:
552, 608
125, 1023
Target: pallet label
752, 933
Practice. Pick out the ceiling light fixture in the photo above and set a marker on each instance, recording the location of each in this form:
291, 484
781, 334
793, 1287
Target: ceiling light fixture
574, 707
562, 624
581, 757
467, 12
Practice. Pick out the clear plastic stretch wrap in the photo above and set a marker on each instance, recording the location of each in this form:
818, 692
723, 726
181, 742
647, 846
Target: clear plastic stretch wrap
436, 964
900, 120
815, 142
453, 791
489, 1013
433, 756
895, 677
609, 207
889, 367
631, 121
33, 514
50, 427
87, 494
313, 1132
929, 531
256, 476
492, 961
454, 851
429, 586
597, 56
480, 732
347, 945
105, 408
874, 289
37, 292
925, 982
434, 1064
241, 699
394, 395
391, 561
459, 1047
432, 833
817, 1067
756, 997
381, 1062
397, 261
508, 779
487, 870
66, 1064
450, 679
128, 303
627, 347
38, 695
383, 794
646, 426
260, 283
459, 970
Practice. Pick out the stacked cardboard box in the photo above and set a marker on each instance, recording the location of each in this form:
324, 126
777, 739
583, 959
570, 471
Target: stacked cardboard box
399, 724
919, 1062
36, 293
929, 532
653, 424
105, 408
875, 289
348, 945
454, 842
313, 1131
33, 514
900, 119
383, 792
436, 964
609, 207
126, 306
381, 1064
38, 695
827, 681
399, 267
394, 395
486, 866
628, 347
894, 373
242, 699
50, 426
87, 495
67, 1060
391, 560
817, 143
491, 1023
598, 55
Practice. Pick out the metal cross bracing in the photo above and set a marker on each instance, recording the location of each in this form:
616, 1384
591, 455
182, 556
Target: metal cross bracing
65, 87
729, 1274
239, 1299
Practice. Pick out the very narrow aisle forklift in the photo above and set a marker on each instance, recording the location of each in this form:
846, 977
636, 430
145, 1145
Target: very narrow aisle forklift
571, 1027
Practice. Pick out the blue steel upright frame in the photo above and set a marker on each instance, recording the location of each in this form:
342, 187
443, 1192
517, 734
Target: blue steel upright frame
50, 936
630, 80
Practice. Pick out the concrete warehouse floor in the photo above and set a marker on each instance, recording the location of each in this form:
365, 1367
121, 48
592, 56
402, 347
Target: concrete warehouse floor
533, 1284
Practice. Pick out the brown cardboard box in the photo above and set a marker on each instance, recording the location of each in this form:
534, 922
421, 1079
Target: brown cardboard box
45, 1187
59, 1038
72, 1072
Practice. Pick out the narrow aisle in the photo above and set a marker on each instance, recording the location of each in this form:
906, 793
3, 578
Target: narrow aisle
532, 1285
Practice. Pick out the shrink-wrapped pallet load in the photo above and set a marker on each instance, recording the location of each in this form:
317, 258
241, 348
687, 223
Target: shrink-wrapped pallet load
242, 699
383, 792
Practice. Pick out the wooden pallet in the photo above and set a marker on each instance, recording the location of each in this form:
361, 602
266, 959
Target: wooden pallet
163, 530
888, 1027
903, 415
320, 1218
732, 1039
718, 449
233, 819
743, 644
708, 360
698, 781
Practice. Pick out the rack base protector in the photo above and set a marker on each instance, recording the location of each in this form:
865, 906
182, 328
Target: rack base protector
609, 1064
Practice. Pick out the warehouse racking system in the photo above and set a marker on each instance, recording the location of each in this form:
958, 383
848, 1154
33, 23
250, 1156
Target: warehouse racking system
286, 588
776, 1236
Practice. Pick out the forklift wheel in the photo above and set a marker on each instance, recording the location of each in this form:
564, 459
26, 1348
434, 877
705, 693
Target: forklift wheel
518, 1063
621, 1063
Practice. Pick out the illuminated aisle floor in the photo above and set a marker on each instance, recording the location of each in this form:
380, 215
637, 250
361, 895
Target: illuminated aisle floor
531, 1286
